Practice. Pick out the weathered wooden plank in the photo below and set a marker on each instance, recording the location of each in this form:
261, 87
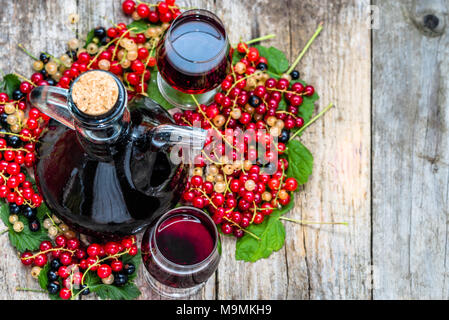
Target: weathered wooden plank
410, 150
38, 25
333, 262
327, 262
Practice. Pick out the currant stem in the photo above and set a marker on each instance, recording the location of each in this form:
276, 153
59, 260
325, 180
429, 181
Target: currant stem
311, 222
244, 230
30, 290
25, 79
267, 37
27, 52
311, 121
309, 43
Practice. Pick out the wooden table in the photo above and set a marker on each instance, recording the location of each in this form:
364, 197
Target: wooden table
381, 156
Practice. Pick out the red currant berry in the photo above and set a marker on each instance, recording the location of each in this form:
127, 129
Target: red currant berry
65, 293
26, 259
143, 10
40, 260
73, 244
65, 258
94, 250
104, 271
133, 250
111, 248
116, 266
45, 245
253, 54
61, 241
309, 91
128, 7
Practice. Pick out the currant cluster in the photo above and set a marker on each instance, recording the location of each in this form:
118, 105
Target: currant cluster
236, 190
69, 261
20, 129
56, 227
164, 11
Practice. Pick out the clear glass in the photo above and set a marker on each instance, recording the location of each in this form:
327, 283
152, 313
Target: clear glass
180, 279
193, 58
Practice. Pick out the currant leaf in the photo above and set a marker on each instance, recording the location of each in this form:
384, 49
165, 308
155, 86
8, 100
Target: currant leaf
90, 37
272, 237
105, 291
9, 84
25, 240
277, 61
300, 161
140, 26
154, 93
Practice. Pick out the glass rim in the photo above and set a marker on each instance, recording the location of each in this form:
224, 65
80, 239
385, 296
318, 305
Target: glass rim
197, 11
185, 266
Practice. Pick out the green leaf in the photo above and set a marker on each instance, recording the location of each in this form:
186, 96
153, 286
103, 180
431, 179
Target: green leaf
25, 240
140, 26
277, 61
236, 56
154, 93
300, 161
43, 212
90, 37
9, 84
106, 291
43, 280
135, 260
272, 236
282, 105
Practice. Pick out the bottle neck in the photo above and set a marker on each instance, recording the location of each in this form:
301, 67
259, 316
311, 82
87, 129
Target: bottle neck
105, 128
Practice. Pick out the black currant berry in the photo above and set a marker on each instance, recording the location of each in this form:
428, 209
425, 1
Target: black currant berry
71, 54
13, 141
29, 213
120, 279
44, 57
105, 40
99, 32
52, 275
254, 101
285, 135
44, 73
53, 287
55, 264
84, 290
34, 225
3, 120
17, 94
51, 82
129, 268
294, 74
262, 66
14, 208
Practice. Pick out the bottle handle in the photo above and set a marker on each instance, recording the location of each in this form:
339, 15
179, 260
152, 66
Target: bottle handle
53, 101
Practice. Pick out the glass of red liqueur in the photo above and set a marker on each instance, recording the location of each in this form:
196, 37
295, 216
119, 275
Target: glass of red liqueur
193, 58
180, 252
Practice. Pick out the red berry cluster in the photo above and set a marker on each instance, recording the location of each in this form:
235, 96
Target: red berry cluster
20, 130
235, 189
70, 261
164, 11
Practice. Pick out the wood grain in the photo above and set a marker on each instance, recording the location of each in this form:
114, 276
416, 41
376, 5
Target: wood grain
28, 23
410, 151
328, 262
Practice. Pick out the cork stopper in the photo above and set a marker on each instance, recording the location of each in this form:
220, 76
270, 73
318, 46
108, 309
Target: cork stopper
95, 93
